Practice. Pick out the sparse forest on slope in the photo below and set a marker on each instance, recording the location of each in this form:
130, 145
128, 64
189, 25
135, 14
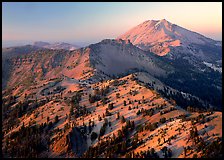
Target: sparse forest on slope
113, 99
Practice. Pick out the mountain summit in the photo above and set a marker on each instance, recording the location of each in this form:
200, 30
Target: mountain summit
159, 36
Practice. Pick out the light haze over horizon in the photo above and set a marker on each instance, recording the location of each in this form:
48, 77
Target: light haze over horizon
82, 23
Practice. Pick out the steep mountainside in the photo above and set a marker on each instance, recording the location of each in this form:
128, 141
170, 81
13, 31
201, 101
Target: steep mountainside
197, 59
109, 59
161, 37
116, 57
8, 54
121, 117
110, 99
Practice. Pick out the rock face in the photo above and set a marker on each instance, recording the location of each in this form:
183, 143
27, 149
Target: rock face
111, 57
115, 57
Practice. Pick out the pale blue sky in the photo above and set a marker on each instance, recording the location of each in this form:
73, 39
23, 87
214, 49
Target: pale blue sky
77, 22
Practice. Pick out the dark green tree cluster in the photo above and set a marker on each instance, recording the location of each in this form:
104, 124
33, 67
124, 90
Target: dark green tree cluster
112, 146
118, 115
167, 152
76, 99
81, 111
93, 136
125, 103
147, 112
183, 117
27, 142
184, 102
194, 134
94, 98
99, 94
108, 113
91, 125
201, 118
130, 125
110, 106
148, 126
103, 128
102, 92
117, 82
133, 92
162, 120
123, 119
213, 150
138, 112
56, 119
167, 110
150, 153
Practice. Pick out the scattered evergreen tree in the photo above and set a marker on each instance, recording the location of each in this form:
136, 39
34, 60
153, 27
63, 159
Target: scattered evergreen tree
125, 103
122, 119
118, 115
93, 136
56, 119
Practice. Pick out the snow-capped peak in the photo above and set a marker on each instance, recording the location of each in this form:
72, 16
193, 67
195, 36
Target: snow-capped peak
163, 22
159, 35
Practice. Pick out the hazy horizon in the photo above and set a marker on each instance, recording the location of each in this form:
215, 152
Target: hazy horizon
20, 43
86, 23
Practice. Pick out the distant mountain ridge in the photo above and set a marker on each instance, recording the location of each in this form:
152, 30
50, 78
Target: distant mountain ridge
57, 45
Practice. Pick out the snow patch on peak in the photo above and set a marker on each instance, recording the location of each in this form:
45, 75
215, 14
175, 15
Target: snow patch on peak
159, 35
164, 22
